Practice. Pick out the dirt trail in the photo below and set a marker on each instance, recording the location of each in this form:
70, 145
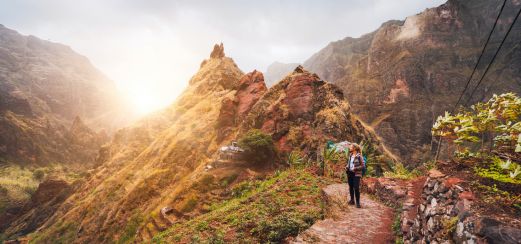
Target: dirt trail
347, 224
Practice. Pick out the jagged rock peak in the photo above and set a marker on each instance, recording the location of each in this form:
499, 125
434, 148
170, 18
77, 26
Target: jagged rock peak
218, 51
299, 69
301, 72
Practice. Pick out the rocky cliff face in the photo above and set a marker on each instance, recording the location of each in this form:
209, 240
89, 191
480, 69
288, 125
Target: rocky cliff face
301, 111
399, 78
163, 169
44, 86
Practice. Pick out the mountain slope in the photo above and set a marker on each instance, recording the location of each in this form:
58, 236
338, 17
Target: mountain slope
399, 78
44, 86
166, 168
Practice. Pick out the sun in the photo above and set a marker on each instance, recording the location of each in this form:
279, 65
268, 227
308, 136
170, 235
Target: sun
146, 103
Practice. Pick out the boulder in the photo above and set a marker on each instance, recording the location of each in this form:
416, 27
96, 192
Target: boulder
494, 231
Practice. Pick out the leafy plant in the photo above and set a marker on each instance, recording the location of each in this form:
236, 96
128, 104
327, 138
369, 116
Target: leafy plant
499, 116
294, 159
505, 164
329, 156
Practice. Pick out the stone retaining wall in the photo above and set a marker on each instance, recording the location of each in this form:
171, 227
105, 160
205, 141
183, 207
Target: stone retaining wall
443, 213
437, 209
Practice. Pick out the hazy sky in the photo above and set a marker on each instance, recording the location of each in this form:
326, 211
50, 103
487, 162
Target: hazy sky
151, 48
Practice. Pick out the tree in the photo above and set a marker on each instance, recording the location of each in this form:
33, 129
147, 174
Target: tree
258, 146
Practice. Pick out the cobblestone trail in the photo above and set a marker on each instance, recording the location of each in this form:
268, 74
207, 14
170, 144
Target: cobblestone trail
347, 224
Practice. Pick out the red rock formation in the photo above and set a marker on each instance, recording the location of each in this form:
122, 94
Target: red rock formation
302, 111
234, 110
251, 88
299, 94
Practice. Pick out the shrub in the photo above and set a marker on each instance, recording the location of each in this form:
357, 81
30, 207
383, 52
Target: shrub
38, 174
279, 227
189, 205
258, 146
500, 116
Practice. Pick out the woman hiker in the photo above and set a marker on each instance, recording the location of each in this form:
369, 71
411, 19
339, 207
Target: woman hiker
355, 164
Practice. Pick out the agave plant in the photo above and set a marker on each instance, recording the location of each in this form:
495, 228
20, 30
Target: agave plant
294, 159
329, 155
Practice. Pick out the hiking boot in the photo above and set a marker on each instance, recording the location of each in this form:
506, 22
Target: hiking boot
351, 202
358, 206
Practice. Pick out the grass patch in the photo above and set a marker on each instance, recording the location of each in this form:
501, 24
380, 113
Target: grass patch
189, 205
66, 231
449, 226
17, 184
260, 211
397, 228
398, 171
131, 228
495, 171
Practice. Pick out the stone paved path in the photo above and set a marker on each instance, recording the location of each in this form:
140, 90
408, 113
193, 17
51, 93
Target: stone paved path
346, 224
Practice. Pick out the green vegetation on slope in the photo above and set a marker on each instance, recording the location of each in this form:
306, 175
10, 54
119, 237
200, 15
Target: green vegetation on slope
261, 211
18, 183
488, 144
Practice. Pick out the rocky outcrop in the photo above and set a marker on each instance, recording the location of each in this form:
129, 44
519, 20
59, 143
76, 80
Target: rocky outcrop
399, 78
234, 109
302, 111
218, 51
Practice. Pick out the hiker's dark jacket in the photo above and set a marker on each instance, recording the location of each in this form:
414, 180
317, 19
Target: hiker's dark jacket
358, 163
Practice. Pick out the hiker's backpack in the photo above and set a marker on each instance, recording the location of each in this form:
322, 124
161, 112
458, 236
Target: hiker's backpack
364, 169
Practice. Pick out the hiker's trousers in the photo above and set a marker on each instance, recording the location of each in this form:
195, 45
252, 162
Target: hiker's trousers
354, 186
